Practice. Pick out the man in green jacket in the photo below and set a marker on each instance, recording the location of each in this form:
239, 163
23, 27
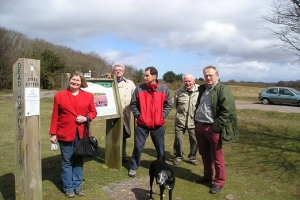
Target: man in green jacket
185, 100
215, 123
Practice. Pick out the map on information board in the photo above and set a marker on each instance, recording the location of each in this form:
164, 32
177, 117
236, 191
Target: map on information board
103, 97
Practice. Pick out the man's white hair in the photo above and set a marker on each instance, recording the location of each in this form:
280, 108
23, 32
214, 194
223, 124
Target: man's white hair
188, 75
118, 65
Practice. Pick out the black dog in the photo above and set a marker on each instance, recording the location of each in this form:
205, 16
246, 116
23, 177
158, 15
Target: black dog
164, 176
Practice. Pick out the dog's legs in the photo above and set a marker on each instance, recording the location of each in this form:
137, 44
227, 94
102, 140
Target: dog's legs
170, 194
151, 184
161, 193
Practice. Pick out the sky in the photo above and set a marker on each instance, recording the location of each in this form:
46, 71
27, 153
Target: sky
182, 36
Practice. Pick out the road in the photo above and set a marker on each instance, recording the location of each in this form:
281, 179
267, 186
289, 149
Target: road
270, 107
239, 104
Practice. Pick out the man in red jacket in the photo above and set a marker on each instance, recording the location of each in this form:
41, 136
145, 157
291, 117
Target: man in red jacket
150, 104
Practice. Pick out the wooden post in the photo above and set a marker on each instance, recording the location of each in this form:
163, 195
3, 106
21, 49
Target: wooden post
26, 103
114, 143
114, 133
64, 81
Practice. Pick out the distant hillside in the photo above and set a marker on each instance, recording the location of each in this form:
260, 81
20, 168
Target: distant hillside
55, 59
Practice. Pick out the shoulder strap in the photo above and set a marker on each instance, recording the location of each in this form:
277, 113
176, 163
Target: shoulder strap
87, 128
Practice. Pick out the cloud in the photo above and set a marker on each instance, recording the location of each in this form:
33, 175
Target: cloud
179, 35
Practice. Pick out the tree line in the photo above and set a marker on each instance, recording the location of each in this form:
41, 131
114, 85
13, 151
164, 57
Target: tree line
54, 59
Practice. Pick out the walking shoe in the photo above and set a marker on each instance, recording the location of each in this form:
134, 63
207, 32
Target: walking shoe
79, 192
193, 162
132, 173
70, 194
215, 189
202, 180
176, 161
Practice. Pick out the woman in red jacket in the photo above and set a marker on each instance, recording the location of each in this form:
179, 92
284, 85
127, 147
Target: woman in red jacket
72, 107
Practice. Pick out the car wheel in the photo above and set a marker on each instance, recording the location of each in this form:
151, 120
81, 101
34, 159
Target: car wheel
265, 101
298, 103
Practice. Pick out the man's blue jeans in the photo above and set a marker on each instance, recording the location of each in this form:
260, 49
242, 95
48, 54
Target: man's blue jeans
71, 166
140, 137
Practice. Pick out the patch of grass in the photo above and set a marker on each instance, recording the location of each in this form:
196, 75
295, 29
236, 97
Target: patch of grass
240, 92
5, 91
245, 93
264, 164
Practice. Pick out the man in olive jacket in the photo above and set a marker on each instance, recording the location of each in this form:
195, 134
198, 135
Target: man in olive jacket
215, 123
185, 100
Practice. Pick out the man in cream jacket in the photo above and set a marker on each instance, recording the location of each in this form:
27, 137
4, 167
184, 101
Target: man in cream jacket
126, 88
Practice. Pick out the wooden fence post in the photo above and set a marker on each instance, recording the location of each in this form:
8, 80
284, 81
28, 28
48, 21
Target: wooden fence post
26, 100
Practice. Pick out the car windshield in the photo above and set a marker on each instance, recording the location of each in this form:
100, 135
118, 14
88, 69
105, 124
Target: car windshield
295, 91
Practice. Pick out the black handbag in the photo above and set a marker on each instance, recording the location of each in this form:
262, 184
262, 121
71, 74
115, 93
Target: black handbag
88, 146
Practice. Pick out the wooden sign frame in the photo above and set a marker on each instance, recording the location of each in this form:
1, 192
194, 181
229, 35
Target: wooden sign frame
112, 95
114, 122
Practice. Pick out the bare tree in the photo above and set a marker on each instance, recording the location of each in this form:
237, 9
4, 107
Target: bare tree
285, 15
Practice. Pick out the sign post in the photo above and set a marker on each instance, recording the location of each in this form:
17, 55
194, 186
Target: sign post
26, 104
